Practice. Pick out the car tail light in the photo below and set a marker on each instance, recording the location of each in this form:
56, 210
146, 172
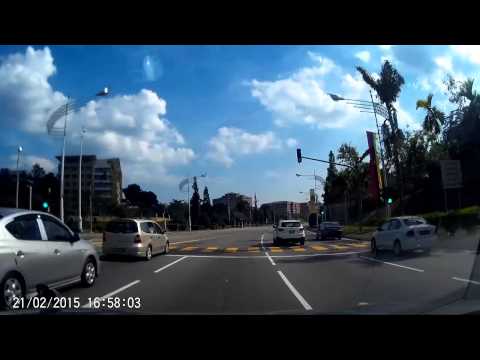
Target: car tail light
410, 233
138, 239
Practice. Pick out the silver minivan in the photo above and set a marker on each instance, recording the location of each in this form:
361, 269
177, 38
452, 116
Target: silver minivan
134, 237
37, 248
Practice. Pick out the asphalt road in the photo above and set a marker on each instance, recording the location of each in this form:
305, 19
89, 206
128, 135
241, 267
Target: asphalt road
240, 272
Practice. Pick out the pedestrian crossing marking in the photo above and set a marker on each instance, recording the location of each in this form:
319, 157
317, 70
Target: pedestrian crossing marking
319, 248
189, 248
231, 249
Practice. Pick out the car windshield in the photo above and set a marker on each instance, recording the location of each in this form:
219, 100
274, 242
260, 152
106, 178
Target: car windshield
290, 224
241, 179
122, 227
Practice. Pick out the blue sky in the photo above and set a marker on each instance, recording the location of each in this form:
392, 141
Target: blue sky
234, 112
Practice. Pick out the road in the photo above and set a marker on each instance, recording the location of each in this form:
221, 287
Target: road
240, 272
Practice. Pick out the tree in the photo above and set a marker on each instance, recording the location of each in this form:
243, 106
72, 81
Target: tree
388, 87
178, 211
195, 203
331, 175
434, 119
206, 208
37, 171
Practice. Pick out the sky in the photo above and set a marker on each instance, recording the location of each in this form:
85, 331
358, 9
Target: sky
236, 113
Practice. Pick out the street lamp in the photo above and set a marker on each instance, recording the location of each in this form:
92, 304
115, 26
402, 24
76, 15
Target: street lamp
103, 92
374, 108
184, 182
19, 151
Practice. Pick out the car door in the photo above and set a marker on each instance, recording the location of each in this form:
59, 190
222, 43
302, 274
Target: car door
393, 233
161, 237
67, 257
29, 249
155, 236
147, 234
382, 234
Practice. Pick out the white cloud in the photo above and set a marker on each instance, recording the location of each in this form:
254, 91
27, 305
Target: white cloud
444, 62
27, 161
132, 127
291, 142
363, 55
405, 120
303, 98
26, 97
230, 142
469, 52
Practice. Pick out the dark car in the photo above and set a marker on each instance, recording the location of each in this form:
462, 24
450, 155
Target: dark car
329, 229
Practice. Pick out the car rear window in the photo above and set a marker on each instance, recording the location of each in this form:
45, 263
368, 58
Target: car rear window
126, 227
290, 224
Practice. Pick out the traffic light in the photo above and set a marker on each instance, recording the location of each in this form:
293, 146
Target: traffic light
45, 205
389, 201
299, 155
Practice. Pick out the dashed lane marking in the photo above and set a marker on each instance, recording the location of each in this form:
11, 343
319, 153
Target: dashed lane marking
189, 248
231, 249
319, 248
339, 247
275, 250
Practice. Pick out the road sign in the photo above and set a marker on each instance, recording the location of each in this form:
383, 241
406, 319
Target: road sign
451, 174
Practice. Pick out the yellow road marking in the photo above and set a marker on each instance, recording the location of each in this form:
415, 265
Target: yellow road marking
253, 249
359, 245
319, 248
274, 247
276, 250
339, 247
231, 249
299, 249
211, 248
189, 248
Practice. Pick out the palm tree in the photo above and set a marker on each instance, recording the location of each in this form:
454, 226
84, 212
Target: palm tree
388, 87
434, 119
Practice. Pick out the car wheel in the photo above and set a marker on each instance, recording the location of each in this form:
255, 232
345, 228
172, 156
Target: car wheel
148, 253
89, 273
167, 248
12, 286
397, 248
302, 241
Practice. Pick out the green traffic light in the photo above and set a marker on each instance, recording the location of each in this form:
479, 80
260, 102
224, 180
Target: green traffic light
389, 201
45, 205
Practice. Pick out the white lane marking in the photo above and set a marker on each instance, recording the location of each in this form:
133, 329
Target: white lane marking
299, 297
115, 291
189, 241
270, 258
168, 265
392, 264
261, 241
466, 280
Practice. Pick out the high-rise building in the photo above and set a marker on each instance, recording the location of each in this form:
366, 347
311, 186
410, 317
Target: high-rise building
285, 210
101, 184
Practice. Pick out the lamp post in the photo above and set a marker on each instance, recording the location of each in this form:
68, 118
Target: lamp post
19, 151
186, 181
103, 92
371, 107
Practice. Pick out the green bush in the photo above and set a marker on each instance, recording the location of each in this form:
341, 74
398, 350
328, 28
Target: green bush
454, 220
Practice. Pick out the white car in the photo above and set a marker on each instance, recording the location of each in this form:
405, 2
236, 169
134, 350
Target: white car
288, 230
134, 237
404, 233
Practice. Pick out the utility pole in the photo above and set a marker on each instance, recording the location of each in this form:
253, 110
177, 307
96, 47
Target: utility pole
30, 197
19, 151
188, 198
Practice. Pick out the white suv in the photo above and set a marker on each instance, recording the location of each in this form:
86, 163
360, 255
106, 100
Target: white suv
288, 230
